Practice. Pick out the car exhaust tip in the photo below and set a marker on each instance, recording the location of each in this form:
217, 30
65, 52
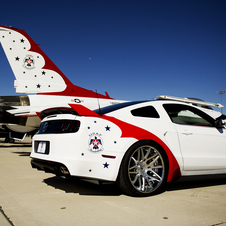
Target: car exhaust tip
64, 170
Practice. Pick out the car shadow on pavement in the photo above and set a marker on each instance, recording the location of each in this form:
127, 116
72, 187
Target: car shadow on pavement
190, 182
89, 187
83, 187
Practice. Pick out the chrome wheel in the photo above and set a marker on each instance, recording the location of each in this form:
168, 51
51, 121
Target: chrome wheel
146, 169
143, 170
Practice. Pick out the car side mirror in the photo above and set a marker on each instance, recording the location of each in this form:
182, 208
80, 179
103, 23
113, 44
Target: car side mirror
219, 123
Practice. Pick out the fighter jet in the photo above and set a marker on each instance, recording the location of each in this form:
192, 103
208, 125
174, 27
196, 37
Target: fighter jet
46, 90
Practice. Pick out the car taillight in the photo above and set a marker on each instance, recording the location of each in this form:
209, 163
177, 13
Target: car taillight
59, 126
68, 126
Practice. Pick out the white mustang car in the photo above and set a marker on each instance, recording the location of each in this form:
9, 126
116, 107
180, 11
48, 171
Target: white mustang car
140, 145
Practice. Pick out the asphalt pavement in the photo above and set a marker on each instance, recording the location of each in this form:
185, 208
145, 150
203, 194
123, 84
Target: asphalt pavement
29, 197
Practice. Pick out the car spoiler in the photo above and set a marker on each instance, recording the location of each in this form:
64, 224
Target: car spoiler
82, 110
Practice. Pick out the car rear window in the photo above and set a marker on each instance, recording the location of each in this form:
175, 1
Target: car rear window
147, 111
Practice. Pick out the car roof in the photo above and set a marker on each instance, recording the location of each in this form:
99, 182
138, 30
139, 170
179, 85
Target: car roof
115, 107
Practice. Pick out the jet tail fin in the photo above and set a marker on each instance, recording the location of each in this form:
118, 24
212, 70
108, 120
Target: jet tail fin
34, 71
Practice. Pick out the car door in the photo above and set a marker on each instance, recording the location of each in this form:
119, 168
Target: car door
203, 146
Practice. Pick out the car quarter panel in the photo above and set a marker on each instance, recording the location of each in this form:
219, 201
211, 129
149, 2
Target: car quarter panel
95, 151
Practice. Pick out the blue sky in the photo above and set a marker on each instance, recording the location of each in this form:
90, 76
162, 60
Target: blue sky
134, 50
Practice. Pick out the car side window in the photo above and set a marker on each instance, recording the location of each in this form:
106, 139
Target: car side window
148, 112
186, 115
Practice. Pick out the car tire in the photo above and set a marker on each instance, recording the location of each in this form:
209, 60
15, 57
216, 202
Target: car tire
143, 170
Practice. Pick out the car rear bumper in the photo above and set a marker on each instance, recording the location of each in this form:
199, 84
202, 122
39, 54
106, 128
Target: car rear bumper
50, 167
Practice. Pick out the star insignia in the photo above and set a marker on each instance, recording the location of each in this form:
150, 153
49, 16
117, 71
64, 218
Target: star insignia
38, 86
17, 58
106, 165
107, 128
43, 72
22, 40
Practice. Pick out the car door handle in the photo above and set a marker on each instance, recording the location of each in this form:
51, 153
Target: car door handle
187, 133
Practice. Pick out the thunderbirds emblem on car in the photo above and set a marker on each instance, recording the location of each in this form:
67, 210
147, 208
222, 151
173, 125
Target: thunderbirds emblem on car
95, 142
